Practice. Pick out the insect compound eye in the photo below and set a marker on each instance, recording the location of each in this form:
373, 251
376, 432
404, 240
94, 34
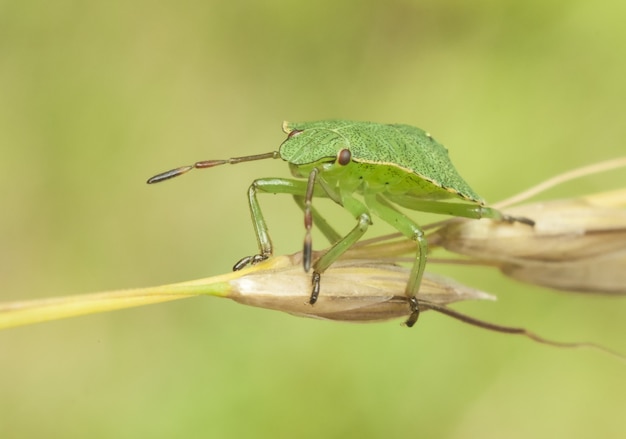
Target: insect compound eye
293, 133
344, 156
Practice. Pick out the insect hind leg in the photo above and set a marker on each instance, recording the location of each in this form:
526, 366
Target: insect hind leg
388, 213
478, 212
464, 210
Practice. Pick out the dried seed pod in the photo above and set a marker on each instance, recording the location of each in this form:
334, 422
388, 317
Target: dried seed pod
354, 290
576, 244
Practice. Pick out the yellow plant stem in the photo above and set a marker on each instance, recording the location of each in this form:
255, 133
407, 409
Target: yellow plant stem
14, 314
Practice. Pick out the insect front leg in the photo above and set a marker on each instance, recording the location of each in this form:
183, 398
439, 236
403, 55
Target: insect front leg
272, 186
383, 209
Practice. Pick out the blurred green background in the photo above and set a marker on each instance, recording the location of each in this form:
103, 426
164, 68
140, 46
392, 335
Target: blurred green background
97, 96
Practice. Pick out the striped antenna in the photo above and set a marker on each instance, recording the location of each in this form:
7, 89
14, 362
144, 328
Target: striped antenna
210, 164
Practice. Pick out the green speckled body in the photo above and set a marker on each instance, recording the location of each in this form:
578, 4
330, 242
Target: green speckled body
402, 161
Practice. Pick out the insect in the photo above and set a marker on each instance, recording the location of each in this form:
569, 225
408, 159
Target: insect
369, 169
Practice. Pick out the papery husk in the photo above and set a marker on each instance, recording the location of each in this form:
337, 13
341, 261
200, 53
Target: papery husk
577, 244
351, 290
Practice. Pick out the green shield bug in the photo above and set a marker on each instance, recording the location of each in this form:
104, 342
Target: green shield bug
368, 168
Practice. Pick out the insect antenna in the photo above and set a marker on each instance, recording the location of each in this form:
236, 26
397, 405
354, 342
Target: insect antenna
210, 164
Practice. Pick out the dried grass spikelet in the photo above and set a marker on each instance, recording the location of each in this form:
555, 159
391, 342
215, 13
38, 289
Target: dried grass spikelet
354, 290
577, 244
364, 290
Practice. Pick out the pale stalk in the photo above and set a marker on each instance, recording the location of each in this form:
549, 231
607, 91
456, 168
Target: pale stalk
27, 312
354, 290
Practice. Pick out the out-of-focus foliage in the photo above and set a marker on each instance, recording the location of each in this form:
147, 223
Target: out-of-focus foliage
97, 96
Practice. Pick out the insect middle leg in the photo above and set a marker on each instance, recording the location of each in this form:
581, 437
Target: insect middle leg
360, 211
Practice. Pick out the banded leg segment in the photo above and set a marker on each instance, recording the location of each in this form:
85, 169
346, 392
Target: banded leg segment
319, 221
